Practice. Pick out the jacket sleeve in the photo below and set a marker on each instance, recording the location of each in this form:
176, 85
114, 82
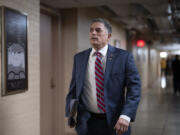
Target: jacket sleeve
72, 90
133, 89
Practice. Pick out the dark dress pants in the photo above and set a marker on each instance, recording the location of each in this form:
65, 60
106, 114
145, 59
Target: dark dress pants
98, 126
176, 84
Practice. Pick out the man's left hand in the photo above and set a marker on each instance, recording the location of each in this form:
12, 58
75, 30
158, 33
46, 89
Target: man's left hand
121, 126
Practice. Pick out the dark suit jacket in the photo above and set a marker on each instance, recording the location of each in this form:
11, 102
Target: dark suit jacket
120, 72
175, 68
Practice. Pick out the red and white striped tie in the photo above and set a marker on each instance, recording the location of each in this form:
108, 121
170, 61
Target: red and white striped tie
99, 77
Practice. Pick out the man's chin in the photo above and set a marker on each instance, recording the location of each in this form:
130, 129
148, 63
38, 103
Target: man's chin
96, 46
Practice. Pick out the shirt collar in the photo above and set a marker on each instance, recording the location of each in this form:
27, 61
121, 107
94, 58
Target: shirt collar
103, 50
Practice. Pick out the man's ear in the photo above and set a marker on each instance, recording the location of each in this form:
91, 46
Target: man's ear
109, 36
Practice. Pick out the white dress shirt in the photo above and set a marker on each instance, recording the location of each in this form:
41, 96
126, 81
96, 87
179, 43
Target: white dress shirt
89, 90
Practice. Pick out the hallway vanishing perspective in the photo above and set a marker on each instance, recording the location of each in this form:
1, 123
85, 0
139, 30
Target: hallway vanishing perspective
159, 110
55, 30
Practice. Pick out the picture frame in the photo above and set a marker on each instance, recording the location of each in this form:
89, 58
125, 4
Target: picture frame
14, 62
117, 43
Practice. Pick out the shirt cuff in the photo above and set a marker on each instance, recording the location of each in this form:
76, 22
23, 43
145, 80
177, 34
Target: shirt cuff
125, 117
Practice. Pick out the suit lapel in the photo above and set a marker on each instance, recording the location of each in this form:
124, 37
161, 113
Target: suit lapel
109, 63
82, 70
84, 61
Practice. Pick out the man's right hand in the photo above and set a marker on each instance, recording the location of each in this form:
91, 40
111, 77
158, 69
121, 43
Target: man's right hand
121, 126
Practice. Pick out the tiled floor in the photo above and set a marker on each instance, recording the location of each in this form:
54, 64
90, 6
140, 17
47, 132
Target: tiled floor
159, 110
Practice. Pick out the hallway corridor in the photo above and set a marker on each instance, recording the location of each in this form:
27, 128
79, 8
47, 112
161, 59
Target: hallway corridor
159, 110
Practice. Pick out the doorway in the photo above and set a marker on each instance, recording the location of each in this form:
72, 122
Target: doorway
51, 112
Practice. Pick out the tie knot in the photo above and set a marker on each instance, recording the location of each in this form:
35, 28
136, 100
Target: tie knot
98, 54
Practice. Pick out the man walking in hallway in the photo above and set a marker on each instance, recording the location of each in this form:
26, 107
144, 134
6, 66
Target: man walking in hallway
176, 74
100, 76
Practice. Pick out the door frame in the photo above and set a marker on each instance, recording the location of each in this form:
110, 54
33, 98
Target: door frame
58, 74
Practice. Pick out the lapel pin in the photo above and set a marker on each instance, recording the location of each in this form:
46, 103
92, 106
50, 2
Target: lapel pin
110, 57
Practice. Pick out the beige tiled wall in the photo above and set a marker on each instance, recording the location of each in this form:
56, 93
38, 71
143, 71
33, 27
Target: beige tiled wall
19, 114
147, 61
141, 59
154, 62
118, 33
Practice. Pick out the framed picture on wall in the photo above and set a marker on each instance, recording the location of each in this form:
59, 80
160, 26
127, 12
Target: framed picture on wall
117, 43
14, 68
